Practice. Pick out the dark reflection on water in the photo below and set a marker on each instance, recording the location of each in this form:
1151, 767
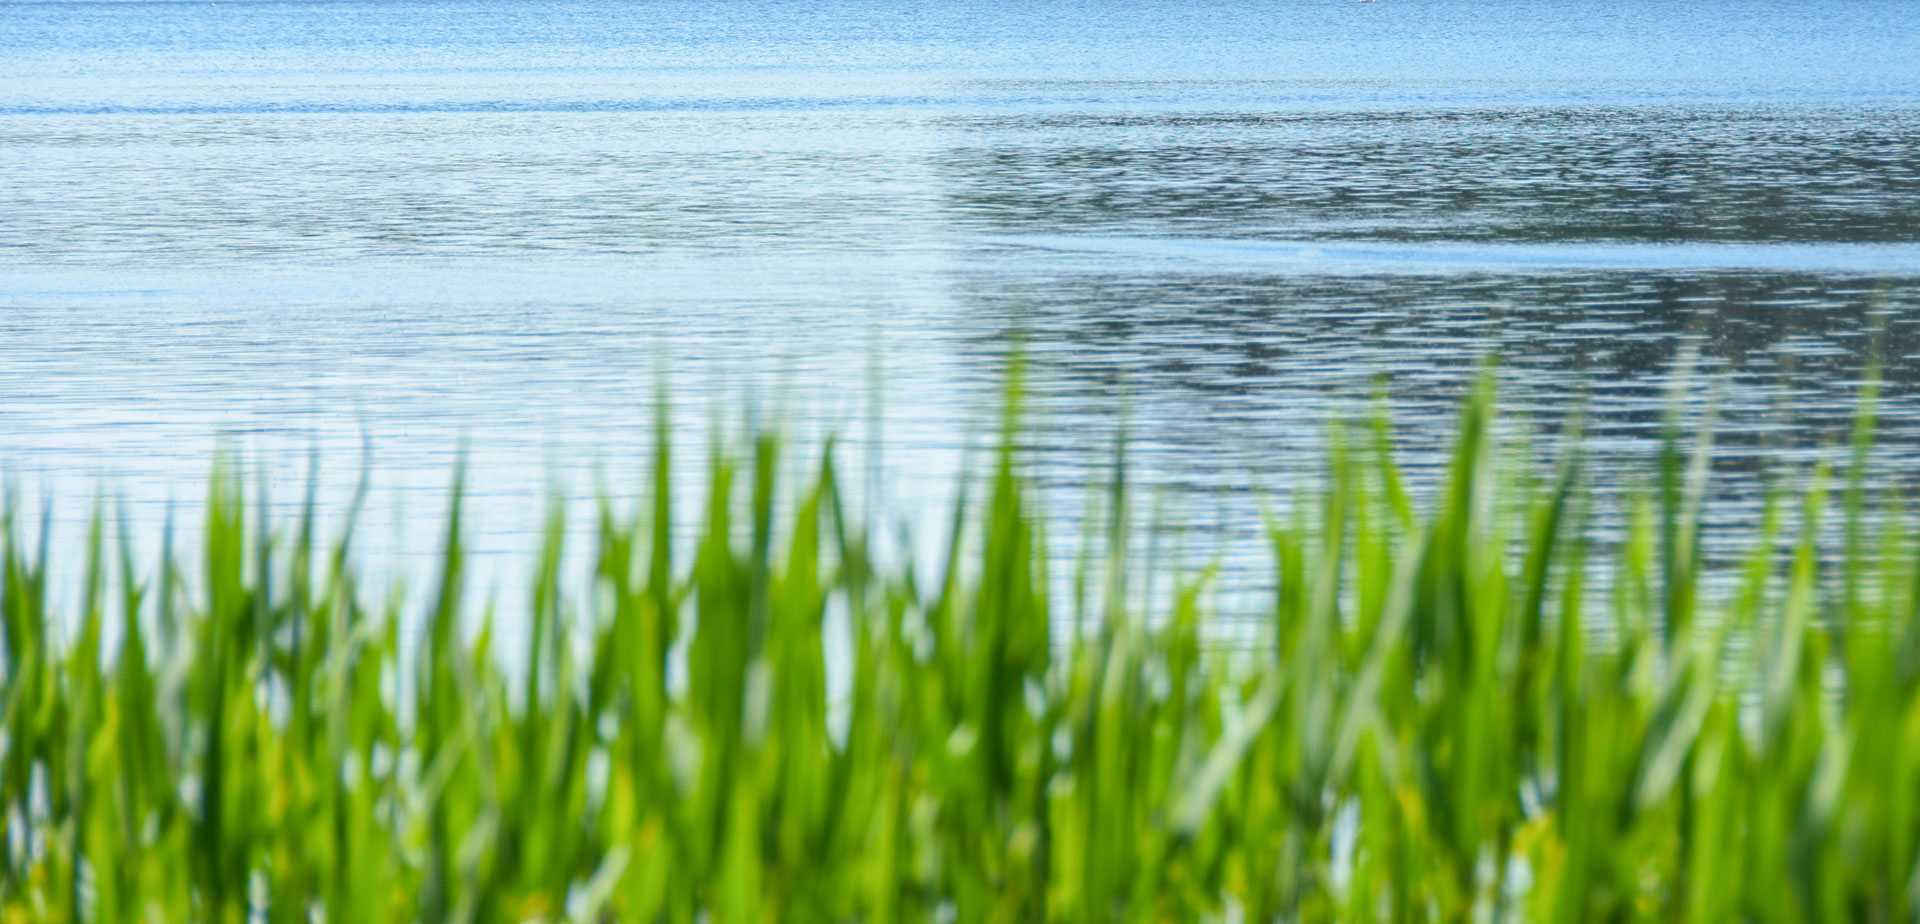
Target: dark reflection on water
1226, 381
1550, 173
1226, 378
493, 221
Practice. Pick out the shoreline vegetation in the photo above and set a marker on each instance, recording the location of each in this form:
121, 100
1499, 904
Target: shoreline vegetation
1434, 728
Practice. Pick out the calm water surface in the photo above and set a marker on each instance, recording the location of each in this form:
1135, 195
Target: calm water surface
490, 222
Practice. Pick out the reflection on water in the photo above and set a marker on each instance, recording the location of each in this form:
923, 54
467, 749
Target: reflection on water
489, 224
1226, 376
1644, 173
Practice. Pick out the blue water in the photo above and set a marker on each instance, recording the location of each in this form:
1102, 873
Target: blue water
431, 225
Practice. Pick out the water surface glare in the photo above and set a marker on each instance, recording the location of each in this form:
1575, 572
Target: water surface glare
489, 223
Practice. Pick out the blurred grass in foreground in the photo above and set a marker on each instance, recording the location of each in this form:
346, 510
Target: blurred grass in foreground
1434, 730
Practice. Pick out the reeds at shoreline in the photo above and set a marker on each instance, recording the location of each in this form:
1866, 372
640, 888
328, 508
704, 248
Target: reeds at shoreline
1430, 733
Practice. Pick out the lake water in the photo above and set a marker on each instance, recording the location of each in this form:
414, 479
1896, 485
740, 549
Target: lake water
489, 223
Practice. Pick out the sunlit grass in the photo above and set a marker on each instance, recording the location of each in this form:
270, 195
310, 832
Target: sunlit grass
1432, 731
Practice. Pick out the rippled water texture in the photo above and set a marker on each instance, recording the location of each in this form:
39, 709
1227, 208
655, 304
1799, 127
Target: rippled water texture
490, 223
